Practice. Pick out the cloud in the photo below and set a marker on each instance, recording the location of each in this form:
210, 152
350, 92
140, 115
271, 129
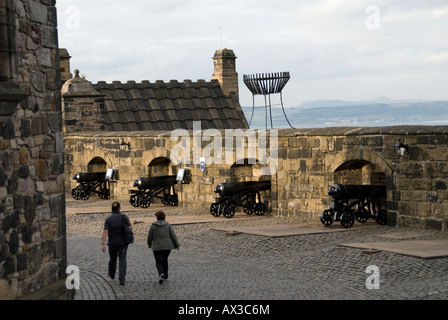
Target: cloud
324, 44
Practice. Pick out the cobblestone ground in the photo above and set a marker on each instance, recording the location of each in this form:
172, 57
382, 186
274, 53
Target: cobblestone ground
214, 266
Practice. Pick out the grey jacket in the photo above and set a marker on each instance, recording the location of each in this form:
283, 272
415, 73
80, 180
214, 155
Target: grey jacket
161, 236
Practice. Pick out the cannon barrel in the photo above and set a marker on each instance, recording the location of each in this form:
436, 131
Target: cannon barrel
348, 191
152, 182
89, 176
228, 189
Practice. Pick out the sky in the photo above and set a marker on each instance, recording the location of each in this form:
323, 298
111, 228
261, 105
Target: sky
333, 49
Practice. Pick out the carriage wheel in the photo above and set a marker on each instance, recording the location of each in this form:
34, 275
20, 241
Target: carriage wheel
229, 212
214, 210
145, 201
326, 217
76, 193
166, 199
381, 217
104, 193
173, 200
362, 215
133, 200
347, 219
248, 210
85, 195
260, 209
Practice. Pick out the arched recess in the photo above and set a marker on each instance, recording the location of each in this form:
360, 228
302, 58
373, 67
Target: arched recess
365, 167
359, 172
161, 166
363, 155
97, 164
250, 170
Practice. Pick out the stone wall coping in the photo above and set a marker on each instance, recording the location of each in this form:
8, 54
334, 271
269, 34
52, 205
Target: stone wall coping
330, 131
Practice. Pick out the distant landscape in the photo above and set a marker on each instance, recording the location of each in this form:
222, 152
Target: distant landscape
333, 113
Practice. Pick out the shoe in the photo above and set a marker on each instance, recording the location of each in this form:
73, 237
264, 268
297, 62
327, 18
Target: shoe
121, 283
165, 276
162, 276
108, 274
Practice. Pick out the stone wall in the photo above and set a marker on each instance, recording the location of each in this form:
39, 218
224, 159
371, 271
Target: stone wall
32, 205
310, 161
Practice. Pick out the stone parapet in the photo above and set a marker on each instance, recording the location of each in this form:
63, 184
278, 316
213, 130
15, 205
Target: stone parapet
310, 161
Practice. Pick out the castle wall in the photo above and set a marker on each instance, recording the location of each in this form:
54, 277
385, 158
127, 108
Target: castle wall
310, 161
33, 254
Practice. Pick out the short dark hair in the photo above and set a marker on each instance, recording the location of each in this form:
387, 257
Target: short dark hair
160, 215
116, 207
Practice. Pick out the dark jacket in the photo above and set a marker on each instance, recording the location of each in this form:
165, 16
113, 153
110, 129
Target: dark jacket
161, 236
114, 225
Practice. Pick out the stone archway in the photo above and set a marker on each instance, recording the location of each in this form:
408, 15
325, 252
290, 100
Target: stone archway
366, 167
362, 154
250, 170
359, 172
161, 166
97, 164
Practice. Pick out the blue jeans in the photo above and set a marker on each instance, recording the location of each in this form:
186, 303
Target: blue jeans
120, 253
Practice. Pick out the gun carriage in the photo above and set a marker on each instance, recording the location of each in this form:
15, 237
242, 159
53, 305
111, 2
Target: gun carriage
154, 187
91, 182
240, 194
350, 202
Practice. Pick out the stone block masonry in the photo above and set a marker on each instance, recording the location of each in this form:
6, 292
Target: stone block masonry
310, 161
32, 204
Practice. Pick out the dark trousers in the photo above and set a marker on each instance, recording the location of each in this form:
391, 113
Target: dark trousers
161, 257
120, 253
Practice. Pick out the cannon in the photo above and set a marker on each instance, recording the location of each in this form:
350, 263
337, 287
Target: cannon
350, 202
161, 187
239, 194
91, 182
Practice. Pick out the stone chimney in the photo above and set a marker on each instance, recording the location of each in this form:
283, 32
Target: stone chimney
225, 72
64, 64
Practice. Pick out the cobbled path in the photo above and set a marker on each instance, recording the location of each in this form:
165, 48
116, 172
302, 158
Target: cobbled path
214, 266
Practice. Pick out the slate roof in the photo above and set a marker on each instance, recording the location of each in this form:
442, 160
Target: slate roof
170, 105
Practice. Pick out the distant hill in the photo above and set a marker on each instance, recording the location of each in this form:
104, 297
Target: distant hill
332, 113
339, 103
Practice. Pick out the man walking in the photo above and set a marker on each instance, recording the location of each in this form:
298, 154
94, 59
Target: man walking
113, 230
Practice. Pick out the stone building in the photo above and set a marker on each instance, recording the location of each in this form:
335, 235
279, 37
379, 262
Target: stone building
154, 106
32, 203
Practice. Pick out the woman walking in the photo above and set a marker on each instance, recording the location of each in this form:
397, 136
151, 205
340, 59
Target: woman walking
162, 239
